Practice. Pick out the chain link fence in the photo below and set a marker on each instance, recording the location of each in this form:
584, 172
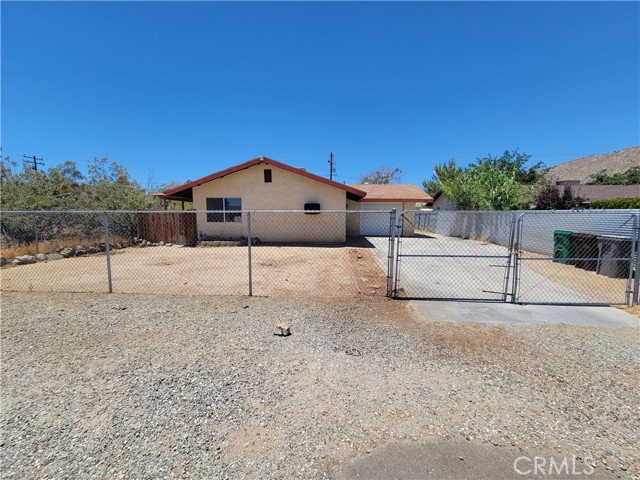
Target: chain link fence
525, 257
558, 257
576, 257
270, 253
455, 256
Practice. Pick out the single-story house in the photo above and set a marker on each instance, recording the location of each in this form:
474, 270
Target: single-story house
442, 202
402, 197
266, 184
604, 192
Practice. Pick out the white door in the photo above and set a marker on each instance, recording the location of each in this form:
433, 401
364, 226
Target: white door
372, 223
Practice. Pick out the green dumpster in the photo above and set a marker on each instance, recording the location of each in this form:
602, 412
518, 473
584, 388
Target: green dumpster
562, 246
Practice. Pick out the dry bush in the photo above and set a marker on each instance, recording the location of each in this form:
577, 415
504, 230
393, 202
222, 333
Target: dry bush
51, 246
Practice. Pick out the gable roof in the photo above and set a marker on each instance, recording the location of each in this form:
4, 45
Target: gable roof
185, 192
402, 192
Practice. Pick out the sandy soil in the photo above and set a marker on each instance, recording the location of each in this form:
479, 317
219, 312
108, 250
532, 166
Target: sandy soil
306, 271
597, 287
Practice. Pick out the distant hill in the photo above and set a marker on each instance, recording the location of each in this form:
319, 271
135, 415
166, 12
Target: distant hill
582, 168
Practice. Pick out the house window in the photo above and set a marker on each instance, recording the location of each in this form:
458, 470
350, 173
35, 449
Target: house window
267, 175
226, 210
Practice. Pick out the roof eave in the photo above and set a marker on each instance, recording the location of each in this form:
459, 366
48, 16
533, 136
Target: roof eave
256, 161
397, 200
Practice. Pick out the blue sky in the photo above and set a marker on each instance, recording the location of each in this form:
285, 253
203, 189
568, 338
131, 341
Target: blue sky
175, 91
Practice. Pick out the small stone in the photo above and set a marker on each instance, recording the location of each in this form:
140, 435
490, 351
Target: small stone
24, 260
282, 329
41, 257
169, 245
4, 261
161, 243
67, 252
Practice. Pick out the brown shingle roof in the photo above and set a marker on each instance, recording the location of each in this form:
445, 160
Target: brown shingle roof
393, 193
605, 192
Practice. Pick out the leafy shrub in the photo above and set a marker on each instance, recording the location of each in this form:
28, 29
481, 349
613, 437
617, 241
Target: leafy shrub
616, 203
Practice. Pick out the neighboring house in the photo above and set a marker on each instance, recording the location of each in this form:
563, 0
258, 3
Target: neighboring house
442, 202
266, 184
604, 192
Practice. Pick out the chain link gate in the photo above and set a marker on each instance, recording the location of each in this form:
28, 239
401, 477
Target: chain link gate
571, 258
578, 258
447, 256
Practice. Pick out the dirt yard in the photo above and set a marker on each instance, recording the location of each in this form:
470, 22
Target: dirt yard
277, 271
149, 386
591, 286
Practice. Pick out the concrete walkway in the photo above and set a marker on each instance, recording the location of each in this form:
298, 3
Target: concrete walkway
508, 313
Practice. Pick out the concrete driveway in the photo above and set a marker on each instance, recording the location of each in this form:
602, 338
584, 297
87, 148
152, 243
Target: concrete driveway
462, 269
509, 313
458, 278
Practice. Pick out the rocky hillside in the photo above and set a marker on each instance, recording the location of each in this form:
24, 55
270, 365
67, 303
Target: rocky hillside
582, 168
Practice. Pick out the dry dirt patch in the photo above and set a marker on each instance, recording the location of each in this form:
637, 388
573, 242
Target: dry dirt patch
598, 287
276, 270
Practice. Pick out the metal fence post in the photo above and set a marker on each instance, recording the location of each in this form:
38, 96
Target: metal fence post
517, 244
636, 248
107, 250
507, 273
399, 230
390, 255
35, 229
249, 249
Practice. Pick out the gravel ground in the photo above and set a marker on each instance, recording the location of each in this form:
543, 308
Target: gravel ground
142, 386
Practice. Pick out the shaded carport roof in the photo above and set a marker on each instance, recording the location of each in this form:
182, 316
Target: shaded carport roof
184, 192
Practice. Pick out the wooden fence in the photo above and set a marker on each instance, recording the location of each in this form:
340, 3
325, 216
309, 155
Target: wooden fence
180, 227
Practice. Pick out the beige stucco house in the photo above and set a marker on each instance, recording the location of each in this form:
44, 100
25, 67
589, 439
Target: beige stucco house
326, 211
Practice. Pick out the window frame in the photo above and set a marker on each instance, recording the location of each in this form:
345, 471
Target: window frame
228, 213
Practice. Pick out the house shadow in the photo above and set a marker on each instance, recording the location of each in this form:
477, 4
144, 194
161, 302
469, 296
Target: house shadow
422, 235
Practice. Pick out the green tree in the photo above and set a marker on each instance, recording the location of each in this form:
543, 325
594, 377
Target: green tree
444, 173
111, 188
628, 177
491, 183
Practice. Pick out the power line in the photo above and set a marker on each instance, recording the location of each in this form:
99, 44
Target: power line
33, 161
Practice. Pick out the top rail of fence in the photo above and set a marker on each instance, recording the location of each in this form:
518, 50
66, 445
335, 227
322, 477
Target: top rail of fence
2, 212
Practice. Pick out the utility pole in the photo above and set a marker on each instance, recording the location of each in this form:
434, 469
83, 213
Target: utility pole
33, 160
332, 169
